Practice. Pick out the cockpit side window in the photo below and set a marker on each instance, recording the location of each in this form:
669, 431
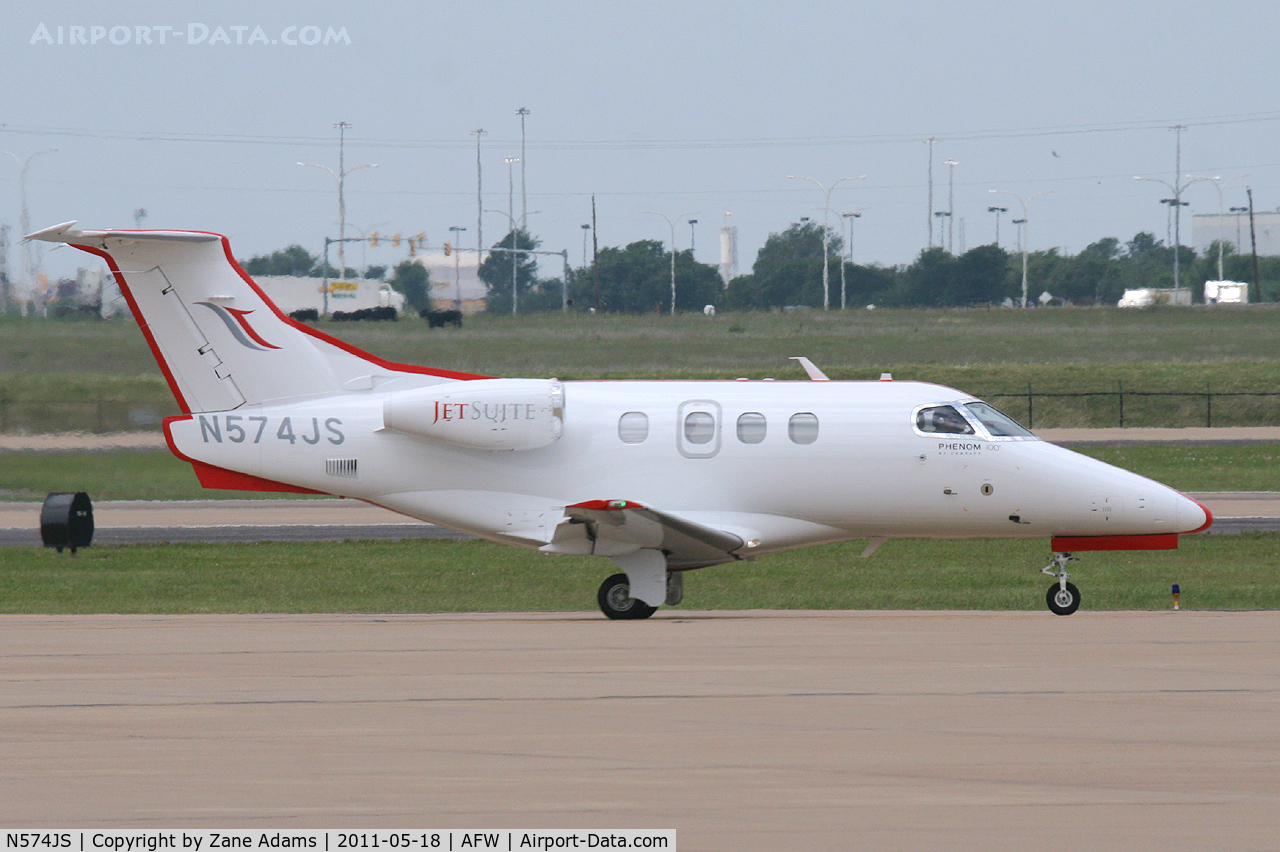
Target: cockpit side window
999, 424
942, 419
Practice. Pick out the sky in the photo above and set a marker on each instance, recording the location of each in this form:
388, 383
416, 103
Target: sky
687, 109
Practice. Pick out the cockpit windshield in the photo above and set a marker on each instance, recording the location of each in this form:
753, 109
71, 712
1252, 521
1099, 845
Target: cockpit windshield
999, 424
943, 419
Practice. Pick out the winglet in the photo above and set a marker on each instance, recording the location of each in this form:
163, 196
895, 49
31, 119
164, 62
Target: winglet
811, 368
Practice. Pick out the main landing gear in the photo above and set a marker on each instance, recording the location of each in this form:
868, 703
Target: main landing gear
616, 601
1063, 597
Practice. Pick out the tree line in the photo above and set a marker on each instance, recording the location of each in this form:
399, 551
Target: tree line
788, 268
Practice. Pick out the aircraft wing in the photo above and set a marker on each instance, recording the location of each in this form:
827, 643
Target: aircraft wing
620, 527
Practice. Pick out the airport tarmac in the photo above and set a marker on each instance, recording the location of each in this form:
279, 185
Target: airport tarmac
743, 731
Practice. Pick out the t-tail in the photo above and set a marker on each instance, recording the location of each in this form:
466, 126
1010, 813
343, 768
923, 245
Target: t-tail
219, 340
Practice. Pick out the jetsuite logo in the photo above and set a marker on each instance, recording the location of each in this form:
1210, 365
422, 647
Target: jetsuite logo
307, 35
237, 323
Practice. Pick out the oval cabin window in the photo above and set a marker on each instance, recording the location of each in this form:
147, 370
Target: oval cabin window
699, 427
802, 428
751, 427
633, 427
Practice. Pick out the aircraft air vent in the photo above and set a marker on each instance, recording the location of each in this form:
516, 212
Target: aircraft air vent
345, 468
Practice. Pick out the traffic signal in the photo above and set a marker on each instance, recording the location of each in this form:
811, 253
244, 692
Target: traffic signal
413, 248
395, 240
373, 238
447, 248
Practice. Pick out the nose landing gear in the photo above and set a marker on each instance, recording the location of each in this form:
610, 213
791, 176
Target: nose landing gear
1063, 598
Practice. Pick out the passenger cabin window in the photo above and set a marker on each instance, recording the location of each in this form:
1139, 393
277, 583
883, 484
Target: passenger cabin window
751, 427
999, 424
633, 427
802, 428
942, 419
699, 427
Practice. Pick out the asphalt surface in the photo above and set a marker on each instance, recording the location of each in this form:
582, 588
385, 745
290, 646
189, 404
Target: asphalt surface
741, 731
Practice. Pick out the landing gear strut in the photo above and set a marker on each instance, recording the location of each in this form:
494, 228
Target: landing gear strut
1063, 597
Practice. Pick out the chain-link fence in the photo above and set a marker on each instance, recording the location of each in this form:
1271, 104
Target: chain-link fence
1124, 407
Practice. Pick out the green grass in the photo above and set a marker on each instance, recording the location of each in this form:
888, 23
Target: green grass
157, 475
99, 376
1215, 573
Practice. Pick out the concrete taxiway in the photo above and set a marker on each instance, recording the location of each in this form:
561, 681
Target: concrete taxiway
745, 731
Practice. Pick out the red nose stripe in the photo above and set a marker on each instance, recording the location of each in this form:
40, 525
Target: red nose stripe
1071, 544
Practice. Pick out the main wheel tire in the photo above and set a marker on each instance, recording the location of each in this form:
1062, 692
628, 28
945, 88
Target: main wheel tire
616, 602
1063, 601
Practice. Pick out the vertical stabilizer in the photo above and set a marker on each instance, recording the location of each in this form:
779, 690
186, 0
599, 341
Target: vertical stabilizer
219, 340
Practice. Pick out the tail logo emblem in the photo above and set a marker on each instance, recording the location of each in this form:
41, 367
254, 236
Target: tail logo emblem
238, 324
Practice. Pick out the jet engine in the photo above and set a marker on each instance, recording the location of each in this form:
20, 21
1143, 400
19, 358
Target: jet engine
485, 414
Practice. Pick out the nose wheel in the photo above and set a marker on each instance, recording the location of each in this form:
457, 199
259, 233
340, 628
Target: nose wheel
1063, 598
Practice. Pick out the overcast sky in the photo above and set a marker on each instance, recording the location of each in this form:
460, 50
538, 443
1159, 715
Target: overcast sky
675, 107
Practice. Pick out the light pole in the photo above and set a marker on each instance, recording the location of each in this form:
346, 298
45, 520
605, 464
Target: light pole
692, 237
951, 203
856, 214
1221, 187
1238, 211
997, 211
457, 270
672, 224
930, 142
1022, 237
340, 176
524, 196
514, 252
479, 132
1176, 203
28, 255
585, 230
826, 232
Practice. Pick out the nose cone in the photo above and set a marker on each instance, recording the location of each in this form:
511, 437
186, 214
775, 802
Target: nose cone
1193, 516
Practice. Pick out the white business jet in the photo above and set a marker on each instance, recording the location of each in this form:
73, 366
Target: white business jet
660, 476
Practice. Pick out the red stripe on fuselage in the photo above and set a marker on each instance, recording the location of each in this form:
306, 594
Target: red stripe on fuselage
1070, 544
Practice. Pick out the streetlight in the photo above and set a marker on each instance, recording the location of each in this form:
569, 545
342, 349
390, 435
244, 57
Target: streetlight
1221, 187
826, 233
672, 225
1238, 211
27, 248
1176, 203
524, 195
1023, 231
997, 211
457, 271
514, 253
692, 237
951, 205
856, 214
585, 230
478, 133
340, 176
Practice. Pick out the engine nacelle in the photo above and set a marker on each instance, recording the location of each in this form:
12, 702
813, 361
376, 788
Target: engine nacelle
486, 414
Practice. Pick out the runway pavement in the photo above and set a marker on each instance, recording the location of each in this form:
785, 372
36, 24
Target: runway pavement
743, 731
